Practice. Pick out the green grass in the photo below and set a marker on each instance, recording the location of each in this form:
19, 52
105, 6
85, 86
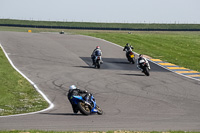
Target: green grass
16, 94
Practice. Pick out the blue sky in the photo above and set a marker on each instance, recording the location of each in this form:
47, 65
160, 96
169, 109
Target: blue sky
119, 11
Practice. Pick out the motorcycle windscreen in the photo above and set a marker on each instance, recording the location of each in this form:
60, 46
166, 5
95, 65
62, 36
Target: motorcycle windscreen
78, 97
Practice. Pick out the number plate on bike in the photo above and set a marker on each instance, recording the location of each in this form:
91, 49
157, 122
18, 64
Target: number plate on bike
132, 56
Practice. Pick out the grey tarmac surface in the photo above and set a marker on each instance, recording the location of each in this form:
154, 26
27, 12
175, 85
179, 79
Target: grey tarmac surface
130, 101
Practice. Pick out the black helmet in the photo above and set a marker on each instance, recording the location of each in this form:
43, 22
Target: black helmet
127, 44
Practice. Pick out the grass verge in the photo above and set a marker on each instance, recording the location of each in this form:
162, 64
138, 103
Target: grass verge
16, 93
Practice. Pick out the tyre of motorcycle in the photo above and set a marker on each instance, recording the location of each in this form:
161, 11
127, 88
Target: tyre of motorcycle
84, 108
146, 71
98, 64
131, 60
99, 110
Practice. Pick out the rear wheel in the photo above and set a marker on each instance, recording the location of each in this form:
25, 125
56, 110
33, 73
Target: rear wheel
98, 64
132, 61
84, 108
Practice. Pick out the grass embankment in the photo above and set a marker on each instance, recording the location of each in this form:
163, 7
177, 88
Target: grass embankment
101, 25
16, 94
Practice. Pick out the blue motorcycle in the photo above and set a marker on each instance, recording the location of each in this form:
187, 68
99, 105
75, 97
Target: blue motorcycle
86, 107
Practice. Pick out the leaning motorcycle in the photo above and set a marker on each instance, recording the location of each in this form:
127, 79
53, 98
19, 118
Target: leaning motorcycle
144, 67
131, 57
86, 108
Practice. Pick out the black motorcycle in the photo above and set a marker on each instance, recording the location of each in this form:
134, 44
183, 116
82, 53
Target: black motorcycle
131, 57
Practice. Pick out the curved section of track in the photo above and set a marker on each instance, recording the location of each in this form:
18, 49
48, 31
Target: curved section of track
130, 100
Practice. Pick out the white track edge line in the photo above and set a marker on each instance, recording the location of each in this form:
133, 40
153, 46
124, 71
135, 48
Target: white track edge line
147, 59
51, 105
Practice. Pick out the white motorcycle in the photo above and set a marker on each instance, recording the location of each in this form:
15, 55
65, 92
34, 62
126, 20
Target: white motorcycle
145, 67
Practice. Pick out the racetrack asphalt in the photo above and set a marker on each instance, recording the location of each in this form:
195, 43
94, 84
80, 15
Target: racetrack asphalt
131, 101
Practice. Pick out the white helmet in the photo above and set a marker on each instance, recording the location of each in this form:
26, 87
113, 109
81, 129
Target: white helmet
72, 87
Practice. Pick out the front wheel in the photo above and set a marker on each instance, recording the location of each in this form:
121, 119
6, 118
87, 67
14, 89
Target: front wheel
84, 108
146, 71
99, 110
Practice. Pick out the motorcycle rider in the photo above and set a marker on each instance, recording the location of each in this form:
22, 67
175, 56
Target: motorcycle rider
141, 57
96, 52
127, 48
74, 91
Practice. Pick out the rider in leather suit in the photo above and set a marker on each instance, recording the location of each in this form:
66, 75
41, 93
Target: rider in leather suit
127, 48
142, 58
74, 91
96, 52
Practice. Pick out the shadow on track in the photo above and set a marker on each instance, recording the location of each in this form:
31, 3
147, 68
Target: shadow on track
111, 64
133, 74
120, 64
70, 114
85, 66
